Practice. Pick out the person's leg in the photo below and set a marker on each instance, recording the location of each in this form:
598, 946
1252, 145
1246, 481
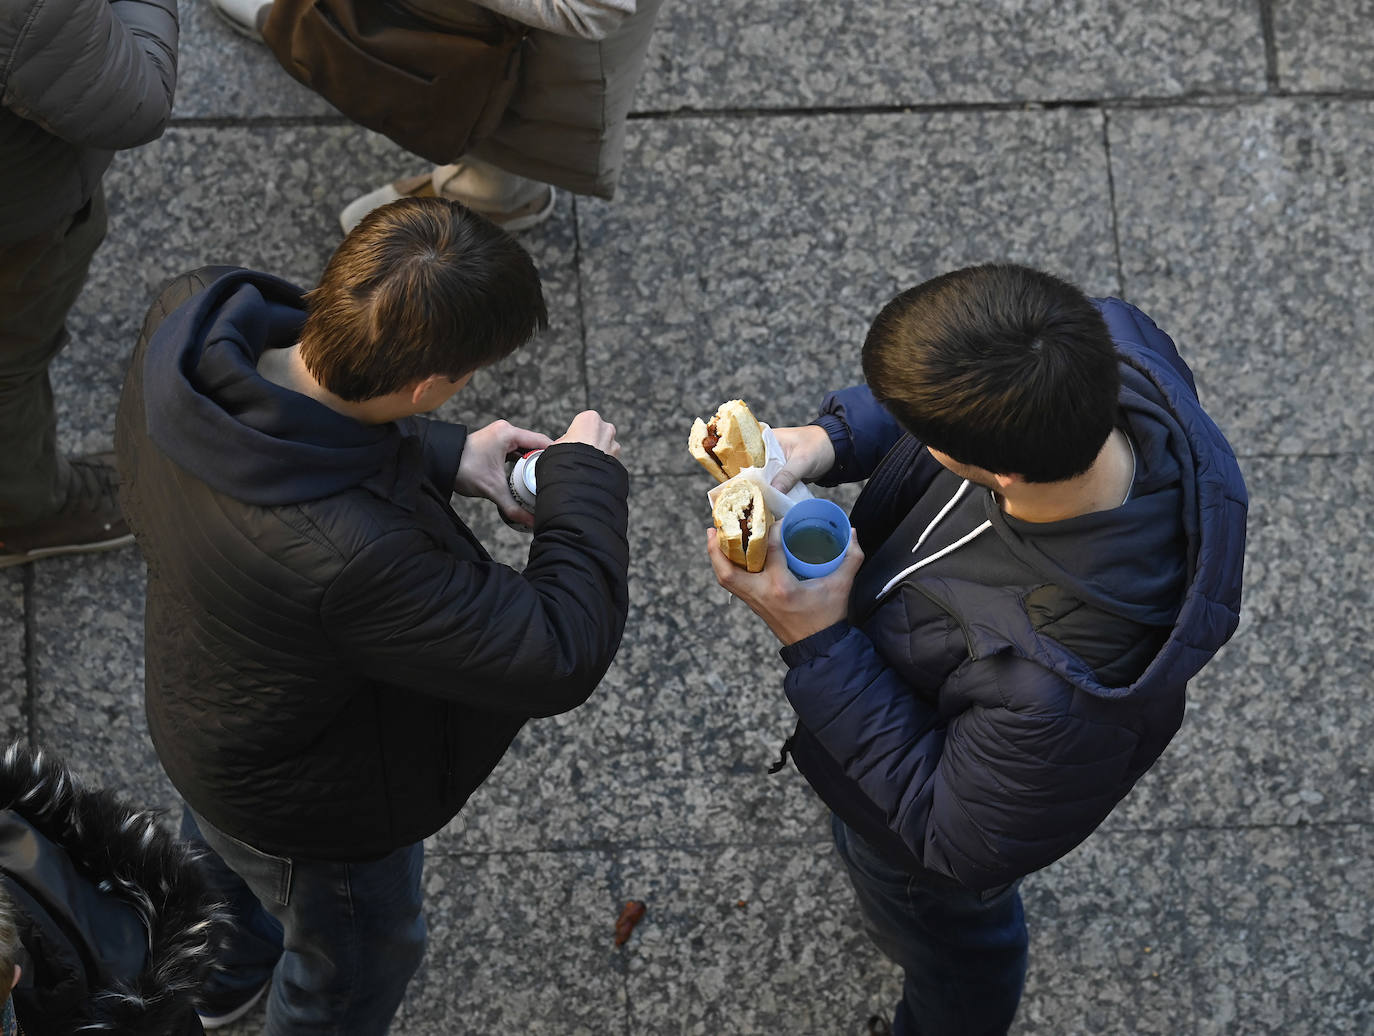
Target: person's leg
40, 279
963, 953
249, 956
352, 933
511, 202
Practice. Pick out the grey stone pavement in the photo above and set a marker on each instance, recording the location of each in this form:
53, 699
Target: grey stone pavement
791, 166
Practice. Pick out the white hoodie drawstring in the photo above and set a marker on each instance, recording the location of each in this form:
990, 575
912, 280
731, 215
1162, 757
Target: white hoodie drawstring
953, 501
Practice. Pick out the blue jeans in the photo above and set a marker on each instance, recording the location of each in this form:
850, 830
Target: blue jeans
963, 952
339, 941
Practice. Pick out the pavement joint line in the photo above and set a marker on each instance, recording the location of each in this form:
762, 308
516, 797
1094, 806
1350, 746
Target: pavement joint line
580, 305
29, 709
825, 842
1271, 45
1111, 204
1180, 101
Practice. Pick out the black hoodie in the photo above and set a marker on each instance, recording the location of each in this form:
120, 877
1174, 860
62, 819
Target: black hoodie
334, 663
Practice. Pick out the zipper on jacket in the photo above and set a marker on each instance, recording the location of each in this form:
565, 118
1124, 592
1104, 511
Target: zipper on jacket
958, 619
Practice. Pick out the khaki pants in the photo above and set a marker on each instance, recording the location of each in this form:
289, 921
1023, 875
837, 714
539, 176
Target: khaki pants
40, 279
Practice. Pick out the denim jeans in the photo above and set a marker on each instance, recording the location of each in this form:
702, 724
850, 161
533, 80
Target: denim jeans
963, 952
340, 941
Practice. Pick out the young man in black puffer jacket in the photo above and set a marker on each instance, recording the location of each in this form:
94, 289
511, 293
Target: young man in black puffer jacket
334, 662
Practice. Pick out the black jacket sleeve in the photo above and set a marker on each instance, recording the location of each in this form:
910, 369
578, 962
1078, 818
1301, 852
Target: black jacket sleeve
535, 642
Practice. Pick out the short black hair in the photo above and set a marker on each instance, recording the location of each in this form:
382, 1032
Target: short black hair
999, 366
421, 287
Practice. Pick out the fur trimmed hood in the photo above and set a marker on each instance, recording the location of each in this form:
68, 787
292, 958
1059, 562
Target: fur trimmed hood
118, 925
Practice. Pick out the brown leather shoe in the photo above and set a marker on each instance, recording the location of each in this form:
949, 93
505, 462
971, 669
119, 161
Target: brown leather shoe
89, 520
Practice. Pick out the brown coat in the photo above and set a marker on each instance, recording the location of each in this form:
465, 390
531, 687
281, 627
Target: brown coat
566, 123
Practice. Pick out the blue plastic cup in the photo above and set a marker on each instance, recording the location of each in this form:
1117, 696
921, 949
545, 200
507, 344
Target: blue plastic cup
815, 537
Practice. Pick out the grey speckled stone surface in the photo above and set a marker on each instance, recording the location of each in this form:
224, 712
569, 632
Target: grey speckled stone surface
1109, 935
746, 254
221, 74
1242, 230
760, 275
89, 653
793, 54
1324, 44
734, 936
1283, 929
1276, 732
673, 748
13, 676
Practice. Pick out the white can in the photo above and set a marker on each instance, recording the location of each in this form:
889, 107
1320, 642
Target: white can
522, 484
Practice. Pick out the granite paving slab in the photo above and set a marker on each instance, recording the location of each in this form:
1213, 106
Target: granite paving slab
223, 75
793, 54
1278, 726
673, 748
745, 940
749, 256
1283, 929
1324, 44
517, 943
1243, 231
14, 683
88, 701
1110, 943
1207, 931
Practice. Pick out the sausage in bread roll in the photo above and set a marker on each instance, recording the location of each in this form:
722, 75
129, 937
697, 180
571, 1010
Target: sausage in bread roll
731, 441
742, 521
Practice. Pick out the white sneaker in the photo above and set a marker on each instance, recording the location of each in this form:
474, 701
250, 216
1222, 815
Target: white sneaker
244, 16
519, 214
226, 1014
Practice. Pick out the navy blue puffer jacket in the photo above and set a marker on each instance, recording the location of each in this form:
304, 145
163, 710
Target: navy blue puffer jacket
979, 732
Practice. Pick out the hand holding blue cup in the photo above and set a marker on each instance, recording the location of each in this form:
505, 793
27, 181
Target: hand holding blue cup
815, 537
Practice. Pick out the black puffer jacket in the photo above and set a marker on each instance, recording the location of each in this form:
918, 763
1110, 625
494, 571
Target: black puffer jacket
117, 925
334, 663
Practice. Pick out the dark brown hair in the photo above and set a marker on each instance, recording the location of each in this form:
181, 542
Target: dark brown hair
999, 366
421, 287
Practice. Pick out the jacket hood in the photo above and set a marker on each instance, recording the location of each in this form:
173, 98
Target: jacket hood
210, 411
1173, 554
116, 920
1129, 561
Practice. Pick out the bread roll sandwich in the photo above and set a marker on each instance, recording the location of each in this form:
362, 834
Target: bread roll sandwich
729, 442
742, 520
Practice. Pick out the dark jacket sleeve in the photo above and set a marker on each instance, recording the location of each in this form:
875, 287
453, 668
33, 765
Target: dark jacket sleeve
535, 642
441, 446
96, 73
861, 431
983, 797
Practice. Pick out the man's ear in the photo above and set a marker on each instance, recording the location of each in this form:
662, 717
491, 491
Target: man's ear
422, 388
1003, 481
17, 972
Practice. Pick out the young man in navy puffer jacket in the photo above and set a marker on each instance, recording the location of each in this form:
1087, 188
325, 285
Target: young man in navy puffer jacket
1048, 547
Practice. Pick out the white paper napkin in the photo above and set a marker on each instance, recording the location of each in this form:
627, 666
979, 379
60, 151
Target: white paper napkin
778, 503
